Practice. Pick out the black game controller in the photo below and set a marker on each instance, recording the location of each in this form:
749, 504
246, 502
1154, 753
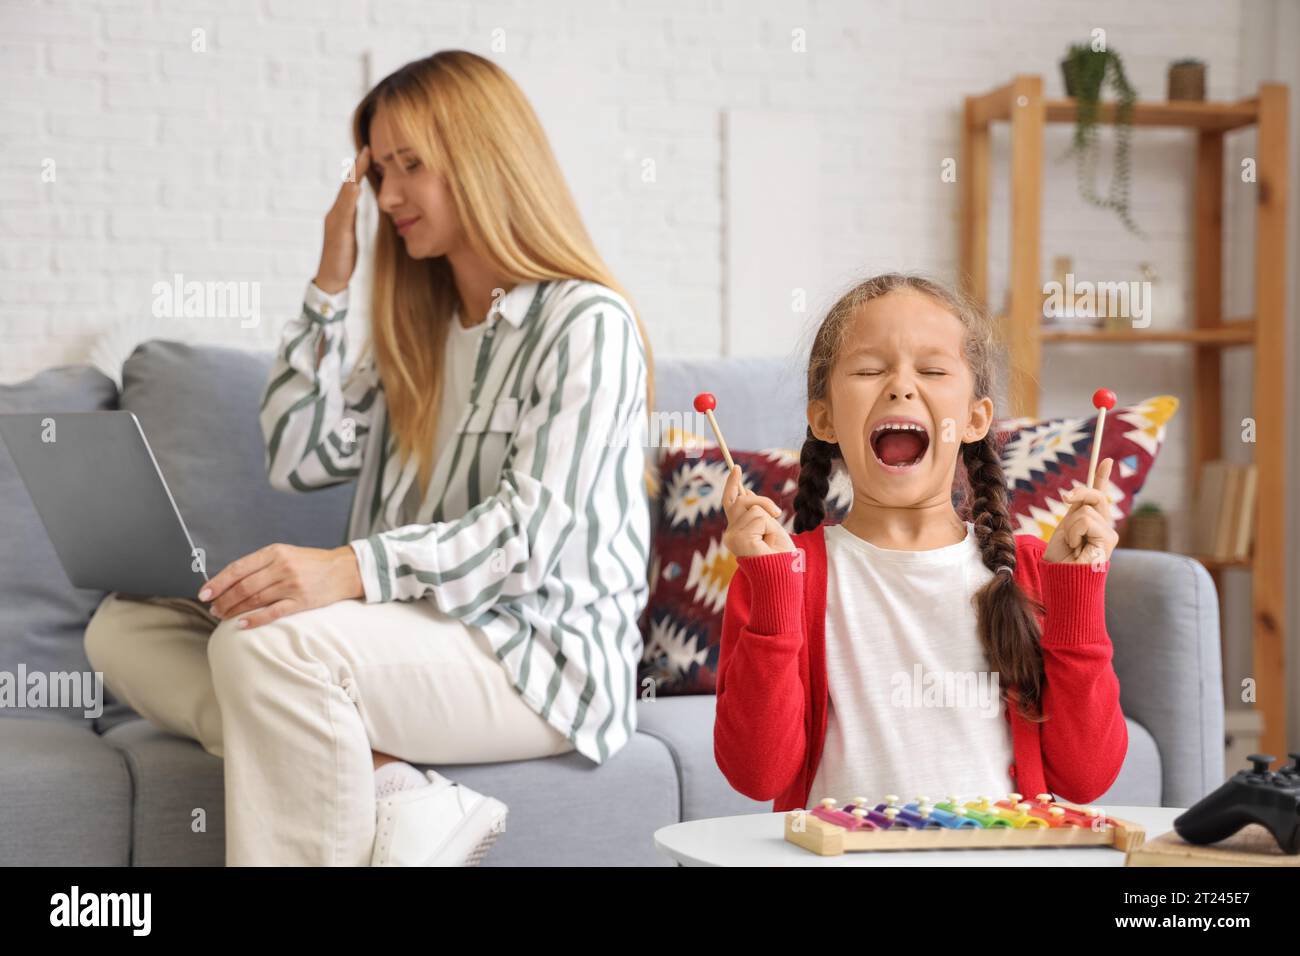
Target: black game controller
1252, 796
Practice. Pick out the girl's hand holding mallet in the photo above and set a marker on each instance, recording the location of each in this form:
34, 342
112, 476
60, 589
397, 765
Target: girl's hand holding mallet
1087, 535
753, 521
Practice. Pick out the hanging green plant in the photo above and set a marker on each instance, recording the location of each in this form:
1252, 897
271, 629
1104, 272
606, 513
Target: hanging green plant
1087, 72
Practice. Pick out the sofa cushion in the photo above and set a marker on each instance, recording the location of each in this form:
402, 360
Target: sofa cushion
198, 406
44, 617
65, 796
564, 811
685, 726
178, 817
1162, 614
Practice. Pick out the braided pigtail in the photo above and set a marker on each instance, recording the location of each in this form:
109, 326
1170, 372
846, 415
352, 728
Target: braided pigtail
815, 463
1008, 630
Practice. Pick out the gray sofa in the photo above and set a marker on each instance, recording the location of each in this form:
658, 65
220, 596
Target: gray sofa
117, 791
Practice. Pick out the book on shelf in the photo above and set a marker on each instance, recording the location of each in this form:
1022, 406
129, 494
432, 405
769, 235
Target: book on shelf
1246, 526
1224, 510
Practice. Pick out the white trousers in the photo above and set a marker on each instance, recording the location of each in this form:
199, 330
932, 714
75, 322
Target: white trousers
296, 706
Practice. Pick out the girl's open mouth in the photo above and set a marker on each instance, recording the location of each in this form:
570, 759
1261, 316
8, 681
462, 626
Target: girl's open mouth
899, 444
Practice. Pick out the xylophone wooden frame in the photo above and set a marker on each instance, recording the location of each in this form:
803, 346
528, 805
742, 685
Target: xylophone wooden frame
830, 839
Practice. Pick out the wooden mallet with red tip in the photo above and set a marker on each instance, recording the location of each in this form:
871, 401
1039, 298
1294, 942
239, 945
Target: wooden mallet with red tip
706, 403
1102, 400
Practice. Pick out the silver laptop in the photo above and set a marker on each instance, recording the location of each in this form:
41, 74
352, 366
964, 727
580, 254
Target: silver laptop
104, 502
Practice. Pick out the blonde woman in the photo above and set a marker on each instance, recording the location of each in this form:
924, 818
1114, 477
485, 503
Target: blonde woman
484, 606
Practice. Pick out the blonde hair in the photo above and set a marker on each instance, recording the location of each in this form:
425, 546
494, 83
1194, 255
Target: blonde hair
465, 118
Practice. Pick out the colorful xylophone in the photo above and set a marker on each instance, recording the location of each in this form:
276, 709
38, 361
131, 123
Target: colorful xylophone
830, 830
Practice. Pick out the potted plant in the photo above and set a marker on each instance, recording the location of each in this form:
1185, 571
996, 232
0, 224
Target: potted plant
1147, 528
1187, 79
1087, 71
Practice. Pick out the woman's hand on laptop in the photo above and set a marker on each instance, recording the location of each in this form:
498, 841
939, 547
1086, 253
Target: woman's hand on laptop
283, 579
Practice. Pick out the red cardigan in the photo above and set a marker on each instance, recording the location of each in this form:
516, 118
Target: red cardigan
772, 696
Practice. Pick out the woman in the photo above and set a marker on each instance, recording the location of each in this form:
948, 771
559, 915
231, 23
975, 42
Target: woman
485, 606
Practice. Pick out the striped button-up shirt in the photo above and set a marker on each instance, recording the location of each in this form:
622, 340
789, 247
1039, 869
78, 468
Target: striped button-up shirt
535, 525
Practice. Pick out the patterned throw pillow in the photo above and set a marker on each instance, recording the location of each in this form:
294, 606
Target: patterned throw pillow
1042, 459
689, 567
690, 570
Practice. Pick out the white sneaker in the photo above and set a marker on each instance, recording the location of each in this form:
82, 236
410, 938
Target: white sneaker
442, 824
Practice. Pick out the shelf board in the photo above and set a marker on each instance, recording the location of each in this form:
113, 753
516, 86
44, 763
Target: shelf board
1226, 335
1236, 333
1215, 116
1188, 114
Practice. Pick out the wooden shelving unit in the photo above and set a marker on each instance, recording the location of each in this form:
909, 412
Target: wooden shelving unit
1021, 104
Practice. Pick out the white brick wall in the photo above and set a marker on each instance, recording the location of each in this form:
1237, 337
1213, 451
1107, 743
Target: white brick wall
219, 164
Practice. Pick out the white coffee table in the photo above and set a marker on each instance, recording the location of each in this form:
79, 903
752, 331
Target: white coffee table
758, 839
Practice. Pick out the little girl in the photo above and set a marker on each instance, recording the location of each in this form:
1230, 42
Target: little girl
857, 659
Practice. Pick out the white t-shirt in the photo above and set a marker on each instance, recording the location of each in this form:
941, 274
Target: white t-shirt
914, 708
457, 383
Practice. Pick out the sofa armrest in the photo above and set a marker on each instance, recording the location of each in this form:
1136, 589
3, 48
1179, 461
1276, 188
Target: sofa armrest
1162, 613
